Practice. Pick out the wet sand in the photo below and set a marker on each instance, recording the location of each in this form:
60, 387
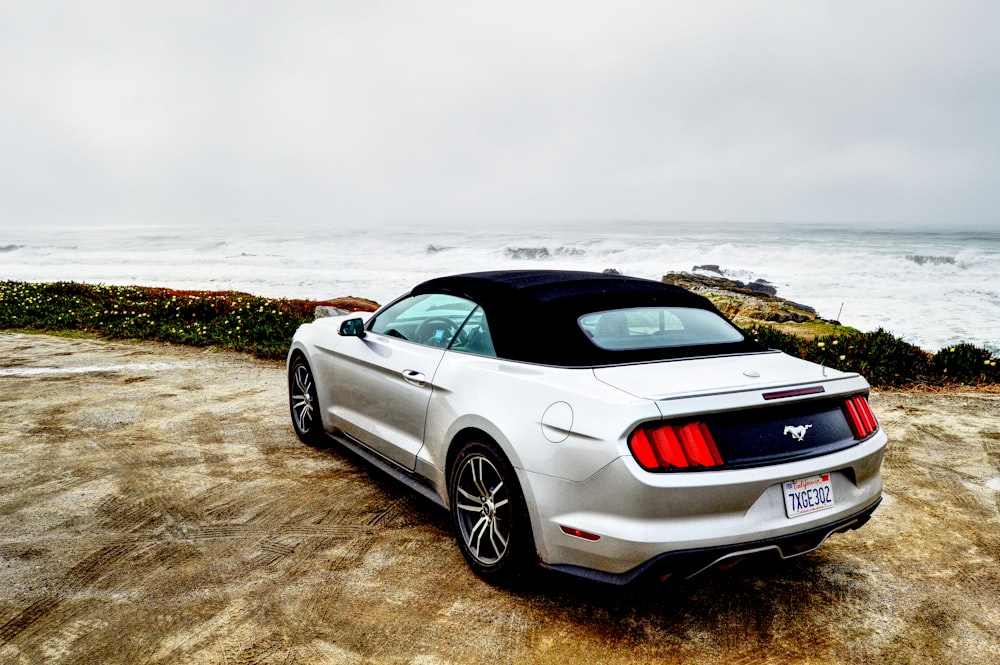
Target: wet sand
156, 507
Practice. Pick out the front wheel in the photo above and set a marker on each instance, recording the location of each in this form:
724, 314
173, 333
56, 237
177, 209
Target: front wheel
489, 513
303, 402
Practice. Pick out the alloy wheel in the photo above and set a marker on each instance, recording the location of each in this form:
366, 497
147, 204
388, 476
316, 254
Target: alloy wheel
483, 509
303, 399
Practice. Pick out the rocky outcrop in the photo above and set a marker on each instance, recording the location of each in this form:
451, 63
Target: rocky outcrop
743, 303
341, 306
758, 286
324, 311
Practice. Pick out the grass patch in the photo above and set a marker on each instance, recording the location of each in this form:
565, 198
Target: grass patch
812, 329
223, 319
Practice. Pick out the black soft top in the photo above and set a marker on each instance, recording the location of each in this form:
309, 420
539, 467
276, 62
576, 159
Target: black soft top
533, 314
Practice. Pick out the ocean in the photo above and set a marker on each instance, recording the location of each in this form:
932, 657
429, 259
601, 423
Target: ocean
931, 288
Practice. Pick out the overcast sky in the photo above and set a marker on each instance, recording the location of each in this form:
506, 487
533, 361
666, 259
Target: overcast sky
472, 112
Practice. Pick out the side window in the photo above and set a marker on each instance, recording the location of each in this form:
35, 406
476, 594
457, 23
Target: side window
431, 319
474, 337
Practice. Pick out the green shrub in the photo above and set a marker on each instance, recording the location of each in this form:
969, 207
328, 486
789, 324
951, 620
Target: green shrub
967, 364
264, 327
228, 320
773, 338
886, 360
882, 358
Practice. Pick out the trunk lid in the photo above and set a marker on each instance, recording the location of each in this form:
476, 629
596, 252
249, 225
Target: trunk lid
713, 375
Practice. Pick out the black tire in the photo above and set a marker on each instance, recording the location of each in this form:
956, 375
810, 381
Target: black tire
489, 514
303, 402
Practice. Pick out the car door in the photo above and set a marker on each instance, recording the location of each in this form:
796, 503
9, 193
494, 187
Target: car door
384, 380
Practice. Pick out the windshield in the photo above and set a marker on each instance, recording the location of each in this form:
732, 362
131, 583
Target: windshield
657, 328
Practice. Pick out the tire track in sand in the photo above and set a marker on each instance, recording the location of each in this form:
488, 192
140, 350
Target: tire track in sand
80, 576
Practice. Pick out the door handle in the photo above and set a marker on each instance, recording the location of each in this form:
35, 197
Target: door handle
414, 377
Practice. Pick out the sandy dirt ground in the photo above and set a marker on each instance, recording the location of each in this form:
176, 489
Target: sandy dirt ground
156, 507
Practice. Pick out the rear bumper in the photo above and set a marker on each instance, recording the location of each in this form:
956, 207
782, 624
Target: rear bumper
641, 521
688, 563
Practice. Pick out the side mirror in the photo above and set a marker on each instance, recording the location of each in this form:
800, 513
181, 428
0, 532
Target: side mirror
353, 328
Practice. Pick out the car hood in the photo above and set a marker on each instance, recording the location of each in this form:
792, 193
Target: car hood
713, 375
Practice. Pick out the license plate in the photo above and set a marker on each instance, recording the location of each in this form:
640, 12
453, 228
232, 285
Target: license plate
808, 495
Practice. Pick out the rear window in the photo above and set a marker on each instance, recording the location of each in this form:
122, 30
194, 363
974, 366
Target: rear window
657, 328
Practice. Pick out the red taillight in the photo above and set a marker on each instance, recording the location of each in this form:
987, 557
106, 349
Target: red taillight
661, 447
642, 450
860, 417
667, 446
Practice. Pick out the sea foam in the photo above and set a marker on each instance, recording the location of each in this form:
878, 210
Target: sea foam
932, 289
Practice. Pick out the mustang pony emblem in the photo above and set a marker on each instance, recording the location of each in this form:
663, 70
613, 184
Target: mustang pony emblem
798, 432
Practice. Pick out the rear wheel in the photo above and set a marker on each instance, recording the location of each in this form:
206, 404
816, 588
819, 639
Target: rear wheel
303, 402
490, 515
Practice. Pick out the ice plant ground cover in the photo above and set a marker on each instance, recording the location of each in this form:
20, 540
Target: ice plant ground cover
223, 319
887, 361
264, 327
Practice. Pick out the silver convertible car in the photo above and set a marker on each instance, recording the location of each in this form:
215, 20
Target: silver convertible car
599, 425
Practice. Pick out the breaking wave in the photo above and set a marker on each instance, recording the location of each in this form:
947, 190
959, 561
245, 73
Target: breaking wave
932, 289
540, 253
922, 260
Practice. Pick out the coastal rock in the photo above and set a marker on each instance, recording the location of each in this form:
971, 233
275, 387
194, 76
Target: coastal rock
323, 311
763, 287
344, 305
743, 303
758, 286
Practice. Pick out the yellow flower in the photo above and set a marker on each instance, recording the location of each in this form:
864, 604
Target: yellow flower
843, 357
821, 345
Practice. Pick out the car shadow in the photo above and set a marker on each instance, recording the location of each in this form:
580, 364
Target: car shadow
755, 604
754, 600
423, 509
